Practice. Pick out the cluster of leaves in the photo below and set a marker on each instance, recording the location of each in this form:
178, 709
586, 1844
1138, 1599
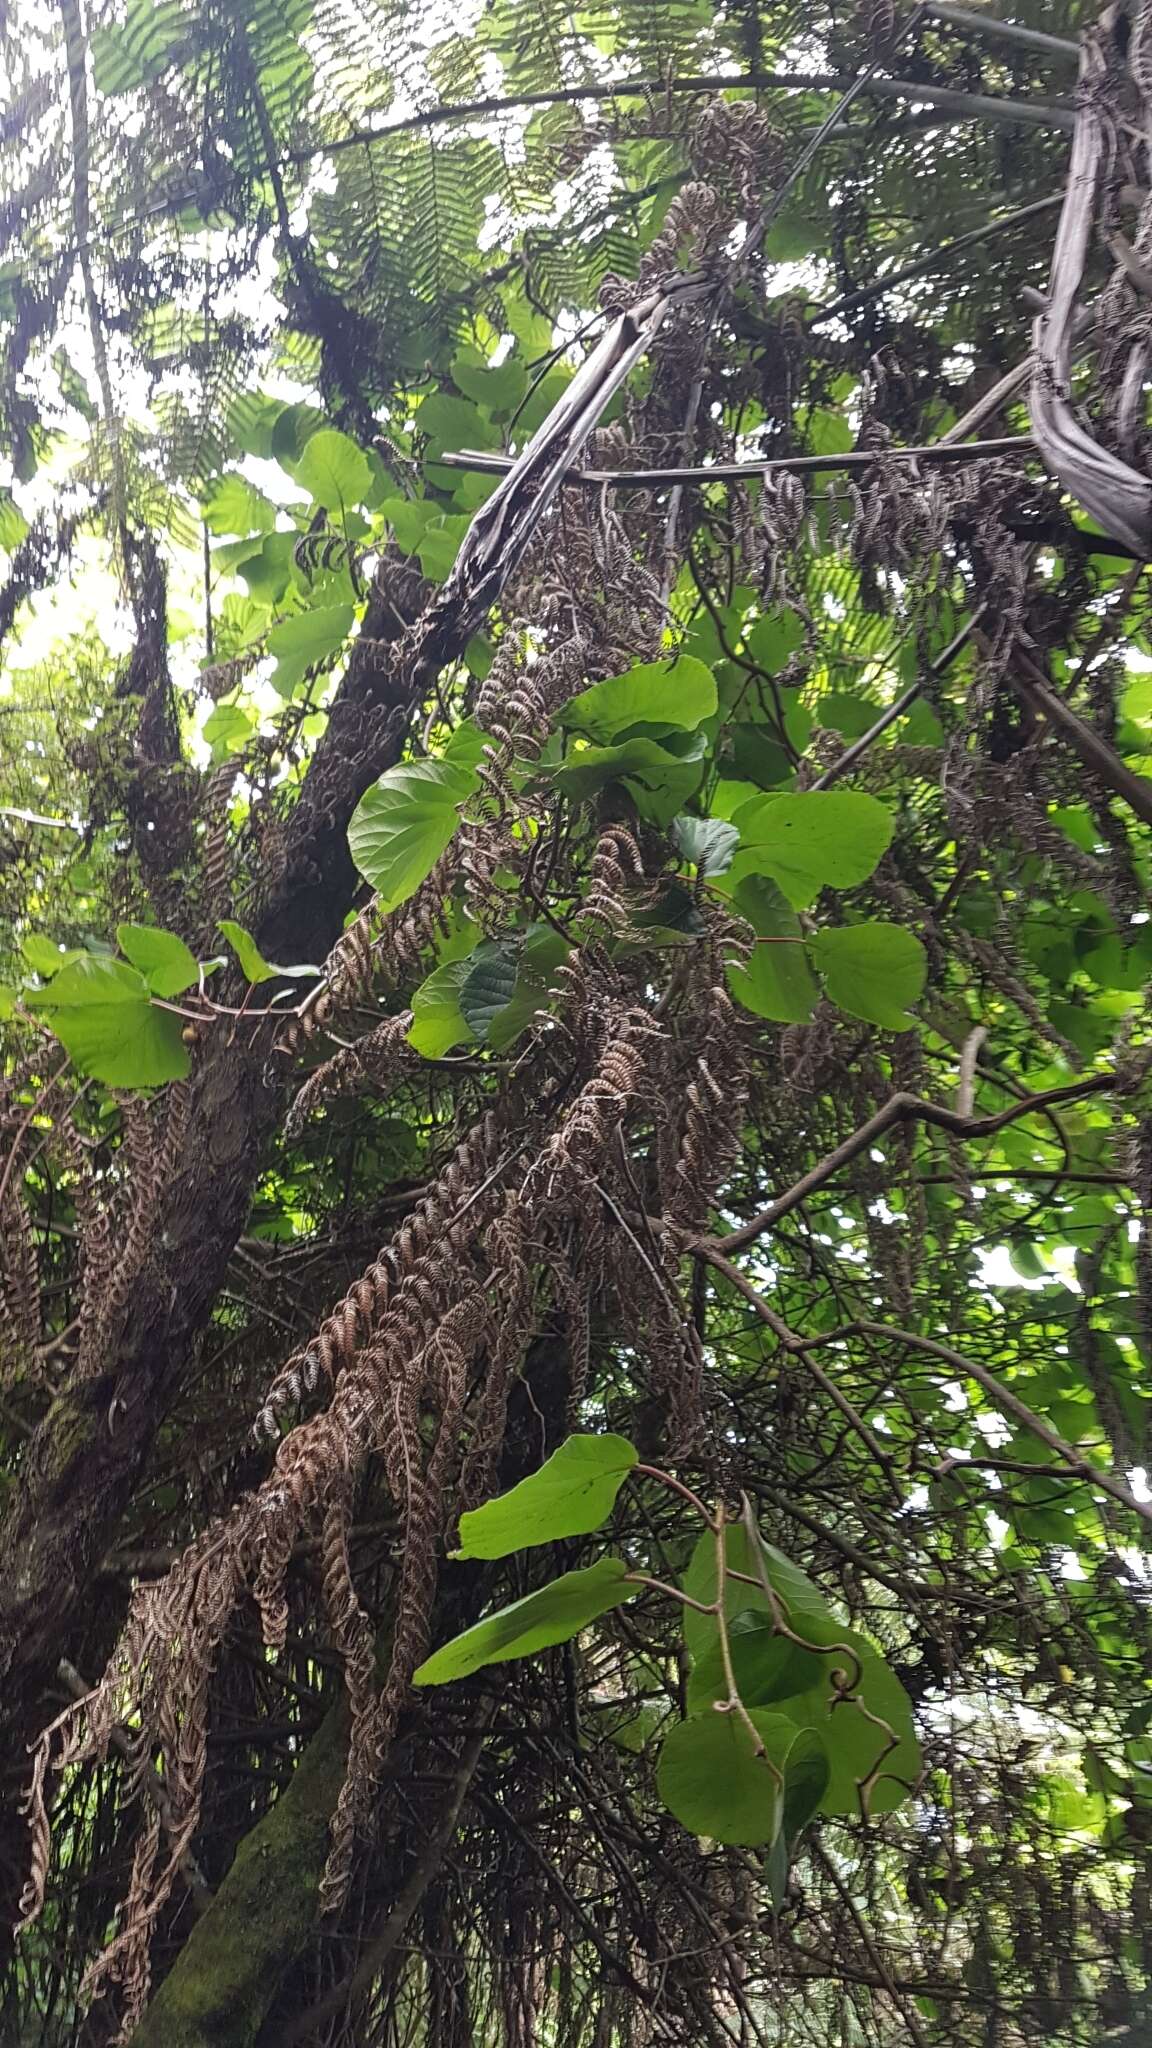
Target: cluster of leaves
840, 1739
293, 463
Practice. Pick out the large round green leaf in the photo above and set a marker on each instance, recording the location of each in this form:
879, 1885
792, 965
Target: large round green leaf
102, 1013
401, 826
777, 981
720, 1780
303, 640
167, 964
812, 840
867, 1773
873, 971
332, 468
668, 696
767, 1665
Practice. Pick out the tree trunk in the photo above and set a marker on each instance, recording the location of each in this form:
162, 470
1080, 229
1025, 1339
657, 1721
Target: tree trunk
229, 1969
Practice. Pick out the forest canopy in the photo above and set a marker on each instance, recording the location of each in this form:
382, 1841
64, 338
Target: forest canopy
575, 1029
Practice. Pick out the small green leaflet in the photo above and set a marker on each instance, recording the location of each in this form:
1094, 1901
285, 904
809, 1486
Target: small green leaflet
307, 638
167, 964
873, 971
668, 696
103, 1015
402, 824
553, 1615
333, 470
252, 961
573, 1492
811, 841
139, 48
13, 525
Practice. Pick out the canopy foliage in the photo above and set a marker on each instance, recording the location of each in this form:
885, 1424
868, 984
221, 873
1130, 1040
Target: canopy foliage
576, 1310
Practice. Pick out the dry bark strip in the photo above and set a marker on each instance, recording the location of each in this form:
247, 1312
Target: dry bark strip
1114, 493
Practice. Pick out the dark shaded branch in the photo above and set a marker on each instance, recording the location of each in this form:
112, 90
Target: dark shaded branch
963, 105
969, 1368
902, 1109
852, 301
732, 472
387, 1939
1033, 688
994, 31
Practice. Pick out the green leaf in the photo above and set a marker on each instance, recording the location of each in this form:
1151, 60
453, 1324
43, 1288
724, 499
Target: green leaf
438, 1022
139, 48
642, 763
553, 1615
777, 982
44, 957
103, 1015
773, 640
669, 696
767, 1666
573, 1492
13, 525
439, 545
857, 1747
811, 841
751, 1614
454, 423
268, 569
226, 729
333, 470
304, 640
252, 418
232, 505
873, 971
489, 986
292, 431
500, 386
252, 961
829, 433
708, 843
163, 959
402, 824
716, 1780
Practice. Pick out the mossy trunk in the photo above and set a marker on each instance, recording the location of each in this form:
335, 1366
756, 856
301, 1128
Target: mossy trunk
228, 1972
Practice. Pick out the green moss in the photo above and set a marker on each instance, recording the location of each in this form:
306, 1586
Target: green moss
225, 1978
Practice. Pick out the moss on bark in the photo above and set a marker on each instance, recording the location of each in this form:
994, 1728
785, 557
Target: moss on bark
226, 1976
